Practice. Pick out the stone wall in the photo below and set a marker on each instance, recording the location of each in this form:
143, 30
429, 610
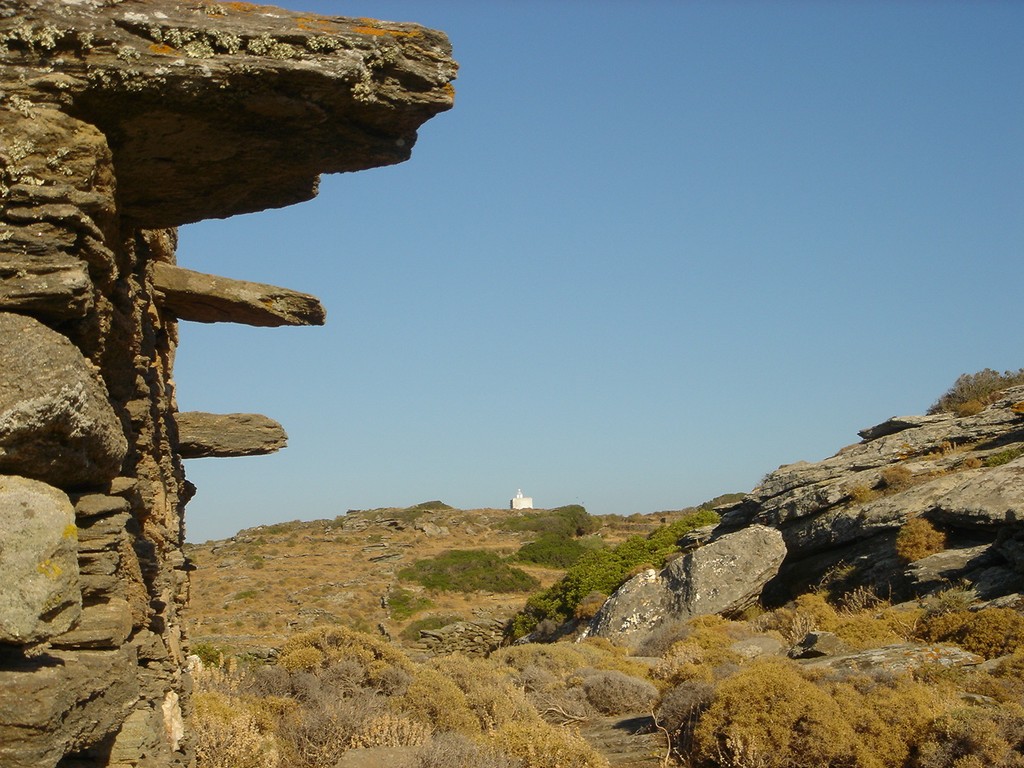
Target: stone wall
118, 122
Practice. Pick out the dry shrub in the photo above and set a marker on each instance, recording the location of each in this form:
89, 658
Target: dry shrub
861, 493
896, 478
875, 627
973, 391
679, 712
666, 635
793, 621
769, 716
336, 643
918, 538
314, 735
434, 700
958, 597
562, 659
990, 632
891, 717
228, 733
490, 694
450, 750
590, 605
705, 647
976, 738
547, 746
615, 693
305, 658
389, 730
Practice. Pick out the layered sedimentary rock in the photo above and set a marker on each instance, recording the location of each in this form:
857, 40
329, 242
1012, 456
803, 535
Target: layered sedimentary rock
118, 122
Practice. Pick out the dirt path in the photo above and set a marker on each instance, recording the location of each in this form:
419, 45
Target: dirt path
626, 741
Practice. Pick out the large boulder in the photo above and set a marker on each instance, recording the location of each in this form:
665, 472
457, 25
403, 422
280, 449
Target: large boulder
39, 594
56, 422
722, 576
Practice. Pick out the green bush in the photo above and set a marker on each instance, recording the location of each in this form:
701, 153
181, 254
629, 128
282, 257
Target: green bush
554, 550
1004, 457
603, 571
569, 521
402, 604
973, 391
468, 570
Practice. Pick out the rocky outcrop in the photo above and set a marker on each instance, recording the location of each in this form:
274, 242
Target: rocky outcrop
965, 474
723, 576
118, 121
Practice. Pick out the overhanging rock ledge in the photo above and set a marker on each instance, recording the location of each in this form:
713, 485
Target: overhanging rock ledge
120, 120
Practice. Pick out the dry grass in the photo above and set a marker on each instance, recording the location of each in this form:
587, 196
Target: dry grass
297, 575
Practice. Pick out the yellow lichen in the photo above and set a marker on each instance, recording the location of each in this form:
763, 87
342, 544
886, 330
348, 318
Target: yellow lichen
49, 569
70, 531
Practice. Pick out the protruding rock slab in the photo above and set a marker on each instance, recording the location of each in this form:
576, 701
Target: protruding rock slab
39, 594
56, 423
214, 109
59, 289
724, 575
226, 435
206, 298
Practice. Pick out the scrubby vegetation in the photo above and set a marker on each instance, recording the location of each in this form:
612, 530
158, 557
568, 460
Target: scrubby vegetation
468, 570
973, 391
334, 689
555, 551
917, 538
603, 570
568, 521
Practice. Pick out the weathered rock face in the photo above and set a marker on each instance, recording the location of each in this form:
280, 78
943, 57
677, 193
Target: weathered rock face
39, 595
56, 421
722, 576
119, 119
959, 472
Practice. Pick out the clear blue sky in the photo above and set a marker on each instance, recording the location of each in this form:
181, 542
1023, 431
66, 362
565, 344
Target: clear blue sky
656, 250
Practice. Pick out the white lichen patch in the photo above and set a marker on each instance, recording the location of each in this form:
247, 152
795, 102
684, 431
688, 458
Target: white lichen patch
21, 105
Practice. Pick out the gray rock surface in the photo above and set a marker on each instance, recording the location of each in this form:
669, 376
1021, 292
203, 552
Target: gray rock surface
56, 424
844, 512
893, 659
206, 298
202, 435
724, 575
39, 591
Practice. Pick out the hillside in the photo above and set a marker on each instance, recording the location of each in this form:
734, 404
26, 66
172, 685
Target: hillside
863, 611
251, 592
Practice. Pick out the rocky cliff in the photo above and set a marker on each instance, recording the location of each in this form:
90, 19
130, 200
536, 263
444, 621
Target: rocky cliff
120, 120
920, 504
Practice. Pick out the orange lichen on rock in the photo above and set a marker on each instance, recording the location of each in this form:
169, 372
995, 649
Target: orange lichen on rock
369, 28
242, 7
315, 24
161, 48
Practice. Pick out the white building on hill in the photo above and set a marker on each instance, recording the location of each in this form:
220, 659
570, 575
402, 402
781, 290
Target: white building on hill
521, 502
